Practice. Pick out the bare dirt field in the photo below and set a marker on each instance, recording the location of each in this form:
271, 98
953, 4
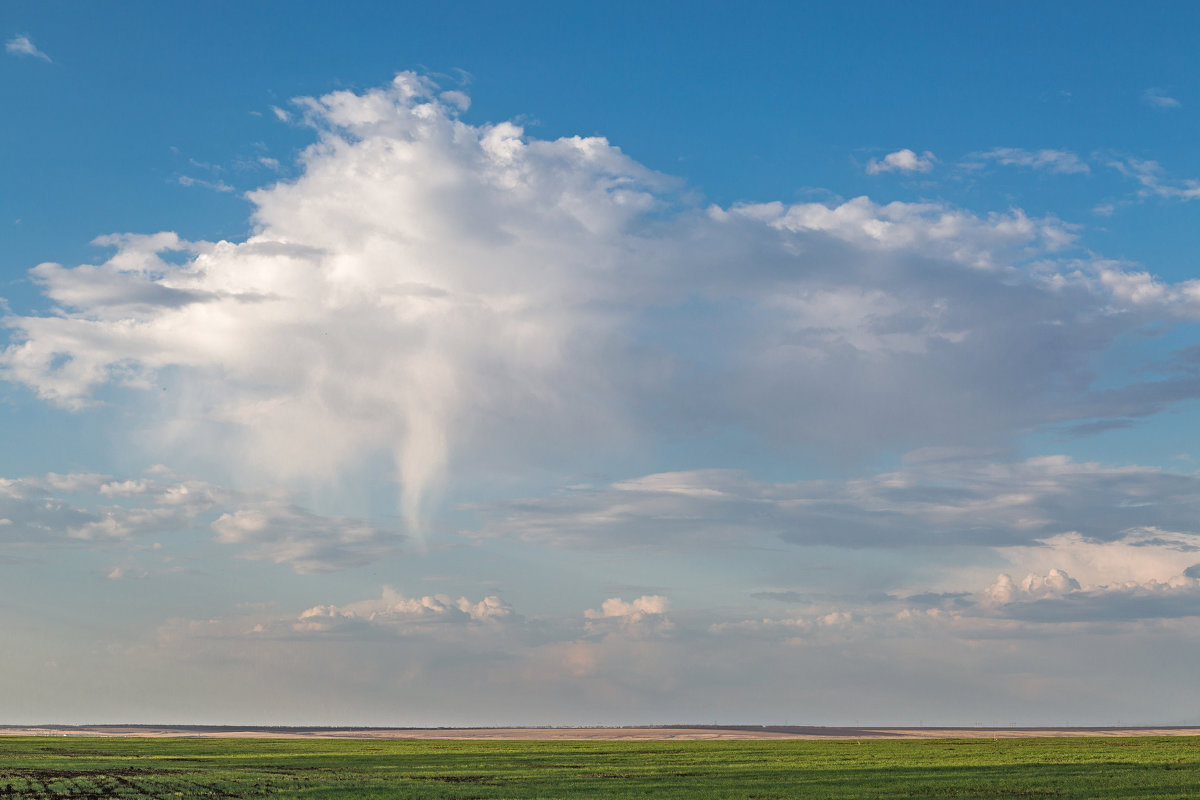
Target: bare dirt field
686, 732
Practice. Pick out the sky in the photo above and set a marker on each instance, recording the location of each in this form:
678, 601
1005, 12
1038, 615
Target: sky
548, 363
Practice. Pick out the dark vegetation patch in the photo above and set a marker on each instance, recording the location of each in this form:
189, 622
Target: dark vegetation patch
491, 780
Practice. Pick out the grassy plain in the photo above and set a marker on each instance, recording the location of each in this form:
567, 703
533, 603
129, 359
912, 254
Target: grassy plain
1143, 768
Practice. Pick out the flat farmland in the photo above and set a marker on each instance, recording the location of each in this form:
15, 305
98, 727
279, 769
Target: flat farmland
171, 768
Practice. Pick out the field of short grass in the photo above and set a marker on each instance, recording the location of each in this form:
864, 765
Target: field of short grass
35, 767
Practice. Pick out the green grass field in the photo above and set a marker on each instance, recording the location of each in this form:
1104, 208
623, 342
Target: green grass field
1159, 767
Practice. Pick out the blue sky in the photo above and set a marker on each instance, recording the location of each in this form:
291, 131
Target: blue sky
491, 365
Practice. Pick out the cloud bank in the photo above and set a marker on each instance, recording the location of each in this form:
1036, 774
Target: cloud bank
938, 499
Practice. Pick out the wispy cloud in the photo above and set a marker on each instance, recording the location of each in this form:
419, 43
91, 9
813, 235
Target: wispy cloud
24, 46
902, 161
953, 502
1058, 161
279, 531
216, 186
1157, 98
100, 512
119, 573
1155, 181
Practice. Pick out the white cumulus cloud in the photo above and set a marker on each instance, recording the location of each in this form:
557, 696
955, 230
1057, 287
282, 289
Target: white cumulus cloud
902, 161
633, 611
640, 617
397, 613
1055, 583
1058, 598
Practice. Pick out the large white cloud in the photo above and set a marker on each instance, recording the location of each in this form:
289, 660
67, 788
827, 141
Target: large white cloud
448, 294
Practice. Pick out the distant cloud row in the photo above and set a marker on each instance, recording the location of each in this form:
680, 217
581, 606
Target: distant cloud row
1059, 161
1154, 180
1092, 540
